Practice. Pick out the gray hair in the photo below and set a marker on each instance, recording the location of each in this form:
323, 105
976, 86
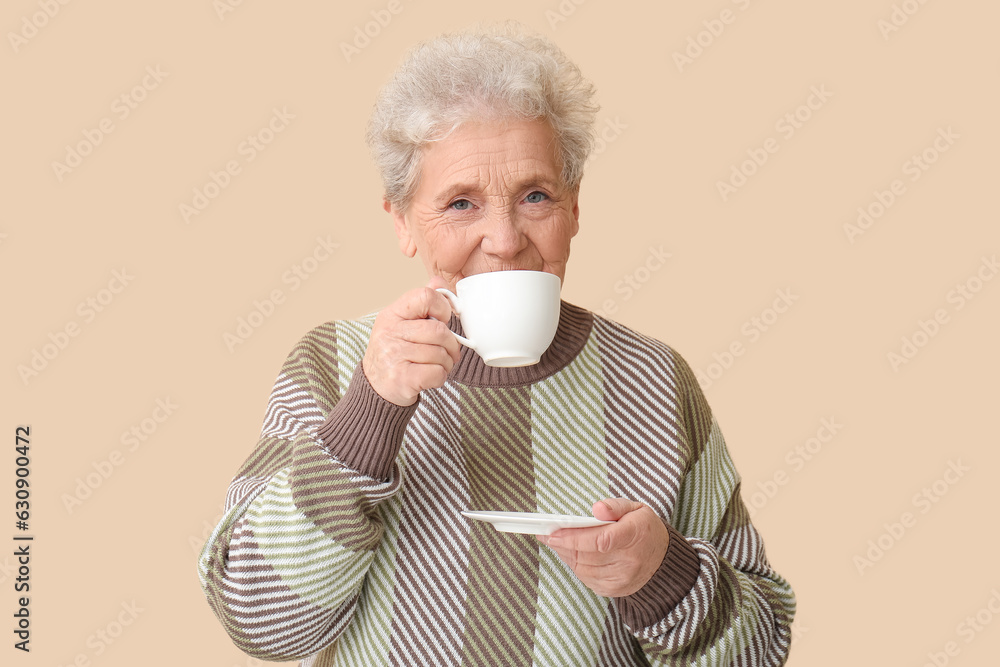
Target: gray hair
494, 73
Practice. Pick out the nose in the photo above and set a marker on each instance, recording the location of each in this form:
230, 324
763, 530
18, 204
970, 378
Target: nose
503, 237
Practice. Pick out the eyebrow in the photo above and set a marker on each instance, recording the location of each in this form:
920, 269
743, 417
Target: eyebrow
473, 186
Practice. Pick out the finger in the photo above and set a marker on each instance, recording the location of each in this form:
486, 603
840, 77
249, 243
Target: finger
438, 307
576, 559
390, 336
429, 332
415, 341
615, 574
422, 354
609, 579
437, 281
424, 332
422, 303
427, 376
612, 509
597, 539
440, 311
436, 332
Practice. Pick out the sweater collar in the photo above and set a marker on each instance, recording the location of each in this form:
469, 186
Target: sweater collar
574, 328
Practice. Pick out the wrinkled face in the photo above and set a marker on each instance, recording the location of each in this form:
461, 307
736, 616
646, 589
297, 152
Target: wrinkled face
490, 198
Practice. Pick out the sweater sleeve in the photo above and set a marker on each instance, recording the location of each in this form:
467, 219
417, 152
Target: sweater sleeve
715, 599
283, 569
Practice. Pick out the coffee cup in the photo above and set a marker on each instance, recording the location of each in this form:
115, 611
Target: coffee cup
508, 317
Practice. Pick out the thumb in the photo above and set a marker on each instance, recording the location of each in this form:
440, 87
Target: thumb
437, 281
612, 509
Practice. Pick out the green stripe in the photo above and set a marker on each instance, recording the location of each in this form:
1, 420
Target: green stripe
367, 639
299, 551
570, 454
570, 618
570, 460
706, 490
352, 341
270, 456
503, 567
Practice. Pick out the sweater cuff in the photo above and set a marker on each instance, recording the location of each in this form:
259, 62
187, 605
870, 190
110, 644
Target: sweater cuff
364, 431
674, 579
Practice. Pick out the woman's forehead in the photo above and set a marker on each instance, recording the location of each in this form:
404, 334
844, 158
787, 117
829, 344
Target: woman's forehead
479, 155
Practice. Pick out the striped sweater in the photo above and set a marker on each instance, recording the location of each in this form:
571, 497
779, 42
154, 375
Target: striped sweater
342, 542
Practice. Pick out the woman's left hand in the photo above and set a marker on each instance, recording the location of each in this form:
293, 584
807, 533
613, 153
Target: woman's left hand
617, 559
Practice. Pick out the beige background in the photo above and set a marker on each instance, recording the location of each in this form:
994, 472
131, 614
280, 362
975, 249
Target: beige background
673, 133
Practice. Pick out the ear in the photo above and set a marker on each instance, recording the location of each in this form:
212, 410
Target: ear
406, 244
576, 212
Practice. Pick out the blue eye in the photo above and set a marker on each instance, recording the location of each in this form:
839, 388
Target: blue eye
536, 197
461, 205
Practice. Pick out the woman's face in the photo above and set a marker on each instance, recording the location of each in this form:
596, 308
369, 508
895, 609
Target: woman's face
490, 198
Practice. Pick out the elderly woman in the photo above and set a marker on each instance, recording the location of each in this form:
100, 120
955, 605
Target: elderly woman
343, 544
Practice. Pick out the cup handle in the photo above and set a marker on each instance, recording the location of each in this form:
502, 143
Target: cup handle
453, 299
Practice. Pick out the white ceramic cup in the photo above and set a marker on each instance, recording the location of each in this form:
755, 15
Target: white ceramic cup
509, 317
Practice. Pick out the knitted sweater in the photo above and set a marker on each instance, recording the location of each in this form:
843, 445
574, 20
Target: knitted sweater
342, 541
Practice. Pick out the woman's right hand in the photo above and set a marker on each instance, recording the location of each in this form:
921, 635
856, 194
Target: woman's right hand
411, 347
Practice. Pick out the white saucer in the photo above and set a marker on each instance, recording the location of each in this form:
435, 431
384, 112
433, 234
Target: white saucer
530, 523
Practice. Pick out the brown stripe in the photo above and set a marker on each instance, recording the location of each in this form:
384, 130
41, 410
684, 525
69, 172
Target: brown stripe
503, 567
431, 574
697, 413
739, 540
270, 456
224, 594
634, 404
319, 345
326, 496
618, 647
